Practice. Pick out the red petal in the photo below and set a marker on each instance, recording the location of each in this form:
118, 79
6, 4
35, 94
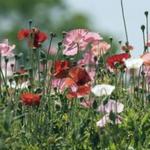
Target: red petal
24, 33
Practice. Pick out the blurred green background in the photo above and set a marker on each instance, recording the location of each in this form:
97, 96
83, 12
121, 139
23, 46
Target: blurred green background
48, 15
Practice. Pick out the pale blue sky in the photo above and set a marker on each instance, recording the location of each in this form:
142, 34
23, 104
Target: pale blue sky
106, 16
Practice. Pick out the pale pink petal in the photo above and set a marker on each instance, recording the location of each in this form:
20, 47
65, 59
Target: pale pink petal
70, 51
78, 39
92, 37
111, 106
100, 48
146, 58
102, 122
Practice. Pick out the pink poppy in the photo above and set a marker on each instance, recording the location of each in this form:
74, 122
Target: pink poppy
89, 63
146, 58
78, 39
6, 49
100, 48
58, 83
111, 106
88, 58
105, 119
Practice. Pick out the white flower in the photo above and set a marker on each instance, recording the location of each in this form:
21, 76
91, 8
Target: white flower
133, 63
111, 106
102, 89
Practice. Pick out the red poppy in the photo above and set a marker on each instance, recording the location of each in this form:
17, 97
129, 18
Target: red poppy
37, 37
79, 75
30, 99
61, 68
117, 59
24, 33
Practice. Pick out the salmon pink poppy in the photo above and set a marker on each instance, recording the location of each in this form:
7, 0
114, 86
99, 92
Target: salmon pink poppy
77, 83
146, 58
100, 48
30, 99
78, 91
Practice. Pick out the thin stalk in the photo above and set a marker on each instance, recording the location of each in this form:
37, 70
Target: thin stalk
3, 78
147, 26
0, 78
124, 22
144, 40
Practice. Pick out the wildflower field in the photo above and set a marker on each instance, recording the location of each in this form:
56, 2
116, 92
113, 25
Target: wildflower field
76, 95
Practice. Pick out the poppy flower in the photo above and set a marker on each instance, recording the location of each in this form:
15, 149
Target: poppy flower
61, 68
117, 59
110, 107
90, 63
79, 91
133, 63
24, 33
35, 36
77, 83
30, 99
79, 75
6, 49
106, 119
102, 89
100, 48
146, 58
77, 40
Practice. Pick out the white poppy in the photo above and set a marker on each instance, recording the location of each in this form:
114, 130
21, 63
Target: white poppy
111, 106
102, 89
133, 63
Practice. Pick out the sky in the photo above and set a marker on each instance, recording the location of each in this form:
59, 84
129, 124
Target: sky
105, 16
